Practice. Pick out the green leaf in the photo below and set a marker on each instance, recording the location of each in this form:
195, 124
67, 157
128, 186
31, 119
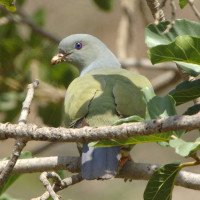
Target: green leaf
159, 107
183, 3
9, 4
133, 118
173, 51
186, 91
154, 33
192, 110
191, 69
105, 5
185, 148
12, 178
161, 183
161, 137
7, 197
185, 49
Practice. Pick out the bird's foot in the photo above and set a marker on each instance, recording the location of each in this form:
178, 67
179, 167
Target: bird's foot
123, 160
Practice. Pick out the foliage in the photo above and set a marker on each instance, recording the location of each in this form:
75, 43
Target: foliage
9, 4
161, 183
186, 91
105, 5
183, 3
12, 178
181, 45
178, 45
18, 54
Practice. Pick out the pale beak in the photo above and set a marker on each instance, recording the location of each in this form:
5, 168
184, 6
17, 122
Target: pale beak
58, 58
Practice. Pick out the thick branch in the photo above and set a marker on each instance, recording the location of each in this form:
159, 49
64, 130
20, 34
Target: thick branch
136, 171
33, 132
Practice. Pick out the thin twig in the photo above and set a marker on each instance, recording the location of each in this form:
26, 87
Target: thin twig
194, 8
63, 184
58, 181
173, 16
20, 143
156, 11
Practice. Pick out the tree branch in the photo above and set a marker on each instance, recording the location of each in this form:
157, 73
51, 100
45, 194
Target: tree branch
63, 184
20, 143
156, 11
33, 132
131, 170
194, 8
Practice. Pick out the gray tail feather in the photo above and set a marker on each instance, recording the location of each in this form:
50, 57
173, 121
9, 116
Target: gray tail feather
99, 162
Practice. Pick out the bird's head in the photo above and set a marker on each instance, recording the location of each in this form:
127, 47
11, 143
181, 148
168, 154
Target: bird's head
83, 51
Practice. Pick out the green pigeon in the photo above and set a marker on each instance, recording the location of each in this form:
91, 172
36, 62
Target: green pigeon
101, 95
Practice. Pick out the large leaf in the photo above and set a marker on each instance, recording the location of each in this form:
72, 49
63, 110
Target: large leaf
159, 107
154, 33
173, 51
185, 148
12, 178
185, 49
161, 183
9, 4
186, 91
161, 137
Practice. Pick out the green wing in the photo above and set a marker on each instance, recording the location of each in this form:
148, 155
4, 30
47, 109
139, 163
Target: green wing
104, 95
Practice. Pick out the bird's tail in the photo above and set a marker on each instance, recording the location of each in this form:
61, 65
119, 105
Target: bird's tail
99, 162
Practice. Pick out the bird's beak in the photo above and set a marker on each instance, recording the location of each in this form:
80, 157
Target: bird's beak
58, 58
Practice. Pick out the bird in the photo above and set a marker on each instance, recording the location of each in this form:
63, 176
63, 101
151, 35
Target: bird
102, 94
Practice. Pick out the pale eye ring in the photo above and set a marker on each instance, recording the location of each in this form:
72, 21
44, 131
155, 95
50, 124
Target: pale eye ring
78, 45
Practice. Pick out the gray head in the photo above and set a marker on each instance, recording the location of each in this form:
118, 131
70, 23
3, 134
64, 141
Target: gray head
86, 52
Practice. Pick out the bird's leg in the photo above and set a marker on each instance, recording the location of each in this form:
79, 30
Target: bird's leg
124, 159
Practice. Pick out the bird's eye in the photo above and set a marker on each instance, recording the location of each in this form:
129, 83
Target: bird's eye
78, 45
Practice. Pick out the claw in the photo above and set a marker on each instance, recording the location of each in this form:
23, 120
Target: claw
123, 160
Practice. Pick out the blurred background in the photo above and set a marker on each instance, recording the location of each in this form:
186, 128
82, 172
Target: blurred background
28, 40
